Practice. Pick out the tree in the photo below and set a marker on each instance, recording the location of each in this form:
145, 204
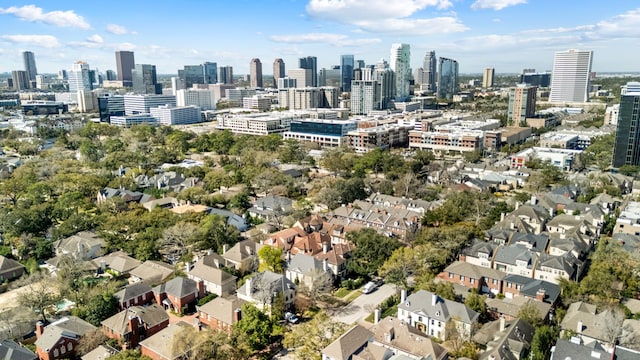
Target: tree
476, 302
176, 240
39, 297
371, 251
308, 339
613, 329
256, 326
271, 259
530, 313
90, 341
397, 268
291, 152
100, 307
543, 339
321, 284
129, 355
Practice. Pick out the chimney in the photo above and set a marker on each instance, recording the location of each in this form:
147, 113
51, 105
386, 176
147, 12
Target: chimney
325, 265
551, 212
325, 247
541, 294
187, 267
376, 316
517, 204
501, 216
534, 200
289, 256
134, 325
200, 287
434, 299
39, 329
237, 315
403, 295
579, 327
225, 248
249, 289
503, 323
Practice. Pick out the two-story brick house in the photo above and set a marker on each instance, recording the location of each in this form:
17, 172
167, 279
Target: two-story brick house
221, 313
179, 294
137, 294
484, 280
59, 339
515, 259
134, 324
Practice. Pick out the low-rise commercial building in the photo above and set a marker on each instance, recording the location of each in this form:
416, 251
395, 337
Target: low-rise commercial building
326, 133
379, 137
255, 124
168, 115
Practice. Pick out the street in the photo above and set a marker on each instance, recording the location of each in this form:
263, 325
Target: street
362, 306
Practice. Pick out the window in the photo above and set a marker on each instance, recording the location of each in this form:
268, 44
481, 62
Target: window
433, 322
63, 349
450, 275
55, 352
472, 280
70, 346
461, 277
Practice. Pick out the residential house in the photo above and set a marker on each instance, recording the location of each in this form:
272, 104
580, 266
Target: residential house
509, 308
505, 339
386, 220
10, 269
84, 245
565, 223
539, 290
59, 339
574, 243
167, 202
533, 215
10, 350
138, 294
348, 344
168, 180
499, 235
606, 202
271, 208
534, 242
317, 223
151, 272
470, 276
630, 243
430, 313
233, 219
628, 222
215, 280
297, 241
512, 223
118, 262
134, 324
126, 195
404, 340
515, 259
263, 288
417, 205
479, 253
305, 269
161, 345
336, 257
179, 294
221, 313
601, 179
102, 352
243, 256
574, 349
552, 268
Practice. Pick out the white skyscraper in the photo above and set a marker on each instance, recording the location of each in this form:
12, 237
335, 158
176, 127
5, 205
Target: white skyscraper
79, 78
400, 62
570, 77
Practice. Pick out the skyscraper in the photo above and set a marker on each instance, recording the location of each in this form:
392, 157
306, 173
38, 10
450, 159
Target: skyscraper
145, 80
487, 77
191, 74
310, 63
79, 77
447, 78
522, 104
346, 72
30, 65
570, 76
225, 75
111, 75
255, 67
430, 69
303, 77
20, 80
400, 62
210, 70
359, 64
278, 71
125, 63
627, 145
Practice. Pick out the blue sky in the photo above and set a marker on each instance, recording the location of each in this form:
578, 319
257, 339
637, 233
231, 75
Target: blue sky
505, 34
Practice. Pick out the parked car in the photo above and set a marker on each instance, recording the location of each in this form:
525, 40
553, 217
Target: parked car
369, 287
291, 318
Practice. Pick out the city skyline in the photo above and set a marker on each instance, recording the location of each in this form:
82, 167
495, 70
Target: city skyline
508, 35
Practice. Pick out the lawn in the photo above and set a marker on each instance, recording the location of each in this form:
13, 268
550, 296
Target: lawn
342, 292
353, 296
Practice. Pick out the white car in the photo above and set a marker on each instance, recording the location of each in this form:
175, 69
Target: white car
369, 287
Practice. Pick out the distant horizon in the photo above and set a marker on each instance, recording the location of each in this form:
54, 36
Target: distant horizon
507, 35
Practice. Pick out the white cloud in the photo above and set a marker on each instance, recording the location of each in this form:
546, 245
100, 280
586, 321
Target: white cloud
59, 18
347, 11
496, 4
46, 41
95, 39
322, 38
439, 25
119, 29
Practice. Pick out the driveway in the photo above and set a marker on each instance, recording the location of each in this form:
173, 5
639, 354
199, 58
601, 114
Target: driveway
362, 306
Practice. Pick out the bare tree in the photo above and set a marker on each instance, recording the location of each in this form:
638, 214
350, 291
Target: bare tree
39, 297
321, 283
613, 329
176, 240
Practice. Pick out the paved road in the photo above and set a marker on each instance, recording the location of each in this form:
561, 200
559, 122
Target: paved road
362, 306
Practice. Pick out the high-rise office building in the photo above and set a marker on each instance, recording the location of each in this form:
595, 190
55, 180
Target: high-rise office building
346, 72
303, 77
418, 77
487, 77
400, 63
225, 75
363, 95
111, 75
359, 64
125, 62
79, 77
30, 65
145, 80
210, 70
20, 80
191, 74
522, 104
278, 71
310, 63
531, 77
330, 77
570, 76
447, 78
627, 145
255, 67
62, 74
429, 78
202, 98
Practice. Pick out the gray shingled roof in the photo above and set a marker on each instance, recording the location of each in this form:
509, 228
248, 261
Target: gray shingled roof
132, 291
348, 344
10, 350
210, 273
71, 326
304, 264
420, 302
7, 265
151, 315
178, 287
222, 308
531, 286
510, 254
162, 342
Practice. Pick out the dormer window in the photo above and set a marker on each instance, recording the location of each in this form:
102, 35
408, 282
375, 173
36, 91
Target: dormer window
437, 313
